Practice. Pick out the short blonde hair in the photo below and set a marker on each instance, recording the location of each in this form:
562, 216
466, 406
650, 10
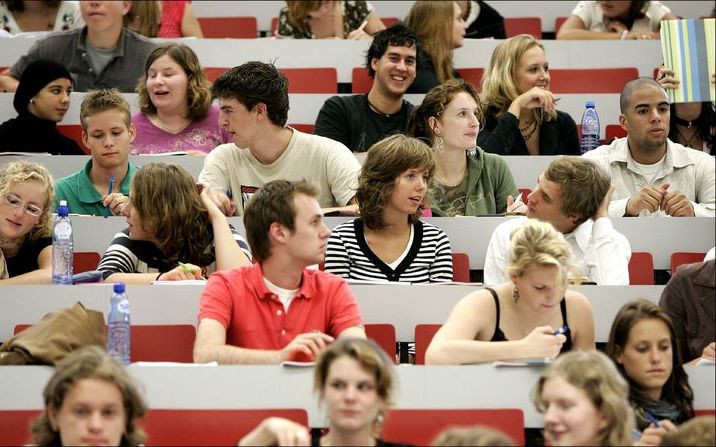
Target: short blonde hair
472, 436
537, 242
24, 171
102, 100
596, 376
498, 82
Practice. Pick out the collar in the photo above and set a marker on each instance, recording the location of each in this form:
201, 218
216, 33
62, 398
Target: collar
118, 50
87, 193
306, 291
676, 155
582, 235
706, 275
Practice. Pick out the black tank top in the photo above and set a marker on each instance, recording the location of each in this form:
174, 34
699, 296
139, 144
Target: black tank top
500, 336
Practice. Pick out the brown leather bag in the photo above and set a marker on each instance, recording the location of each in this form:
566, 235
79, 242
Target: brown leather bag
55, 336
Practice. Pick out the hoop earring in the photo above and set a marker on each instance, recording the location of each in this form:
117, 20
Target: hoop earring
515, 295
439, 148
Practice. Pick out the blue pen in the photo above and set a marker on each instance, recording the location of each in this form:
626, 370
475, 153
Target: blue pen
109, 191
652, 419
563, 330
229, 195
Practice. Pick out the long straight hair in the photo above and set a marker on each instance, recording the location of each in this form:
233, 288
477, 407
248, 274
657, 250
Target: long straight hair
432, 21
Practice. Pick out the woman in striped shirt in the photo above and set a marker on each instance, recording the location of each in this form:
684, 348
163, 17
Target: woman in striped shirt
389, 242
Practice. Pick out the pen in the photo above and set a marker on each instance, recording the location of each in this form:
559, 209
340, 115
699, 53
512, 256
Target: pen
109, 191
229, 195
652, 419
517, 199
563, 330
185, 267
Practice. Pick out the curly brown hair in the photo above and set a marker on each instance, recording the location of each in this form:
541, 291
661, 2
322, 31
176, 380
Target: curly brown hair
386, 160
168, 203
198, 93
89, 362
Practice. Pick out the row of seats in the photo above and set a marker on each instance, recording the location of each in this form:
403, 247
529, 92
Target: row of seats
246, 27
227, 426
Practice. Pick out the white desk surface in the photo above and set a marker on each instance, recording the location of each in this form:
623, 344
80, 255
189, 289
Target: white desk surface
223, 387
471, 235
402, 306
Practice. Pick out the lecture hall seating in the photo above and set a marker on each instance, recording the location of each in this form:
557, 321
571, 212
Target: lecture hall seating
300, 80
460, 267
155, 342
680, 258
421, 426
641, 269
523, 25
423, 336
15, 426
228, 27
384, 336
591, 80
85, 261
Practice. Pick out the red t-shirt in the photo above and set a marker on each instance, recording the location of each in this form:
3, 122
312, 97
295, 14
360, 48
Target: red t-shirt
254, 317
172, 16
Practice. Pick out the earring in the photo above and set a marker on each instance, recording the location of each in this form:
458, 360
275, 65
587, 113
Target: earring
32, 101
515, 295
472, 152
439, 145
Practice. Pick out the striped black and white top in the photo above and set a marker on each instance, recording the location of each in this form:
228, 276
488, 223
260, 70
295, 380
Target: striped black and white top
126, 255
428, 258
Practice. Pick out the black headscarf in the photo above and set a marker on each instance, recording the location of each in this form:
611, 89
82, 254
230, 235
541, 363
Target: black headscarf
35, 77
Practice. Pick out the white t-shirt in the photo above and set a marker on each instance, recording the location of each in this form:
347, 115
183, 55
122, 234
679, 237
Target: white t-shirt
68, 17
593, 17
326, 163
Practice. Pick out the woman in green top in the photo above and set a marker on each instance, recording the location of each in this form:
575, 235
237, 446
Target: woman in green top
467, 181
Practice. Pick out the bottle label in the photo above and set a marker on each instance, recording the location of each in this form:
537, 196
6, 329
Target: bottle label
63, 230
123, 306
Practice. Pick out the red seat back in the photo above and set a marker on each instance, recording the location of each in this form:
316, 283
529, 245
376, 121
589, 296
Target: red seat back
209, 427
157, 343
421, 426
228, 27
389, 21
614, 131
384, 336
300, 80
591, 80
460, 267
641, 269
213, 73
423, 336
15, 426
473, 76
360, 81
73, 131
680, 258
523, 25
558, 22
85, 261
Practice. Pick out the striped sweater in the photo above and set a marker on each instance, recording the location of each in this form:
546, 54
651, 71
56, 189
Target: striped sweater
428, 259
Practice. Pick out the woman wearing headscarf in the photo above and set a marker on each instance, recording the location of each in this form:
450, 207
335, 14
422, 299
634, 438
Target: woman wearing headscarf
41, 100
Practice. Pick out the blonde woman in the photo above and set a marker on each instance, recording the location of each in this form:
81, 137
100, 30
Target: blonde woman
532, 315
328, 19
441, 29
584, 402
521, 116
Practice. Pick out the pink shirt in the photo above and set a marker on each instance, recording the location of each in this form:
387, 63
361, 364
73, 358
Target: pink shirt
172, 15
254, 317
200, 135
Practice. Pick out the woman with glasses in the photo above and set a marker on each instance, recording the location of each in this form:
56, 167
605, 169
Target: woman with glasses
26, 191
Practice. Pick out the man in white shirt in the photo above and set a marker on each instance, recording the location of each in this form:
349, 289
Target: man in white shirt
253, 98
652, 174
573, 195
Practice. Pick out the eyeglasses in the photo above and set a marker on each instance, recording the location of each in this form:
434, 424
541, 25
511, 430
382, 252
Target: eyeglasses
16, 202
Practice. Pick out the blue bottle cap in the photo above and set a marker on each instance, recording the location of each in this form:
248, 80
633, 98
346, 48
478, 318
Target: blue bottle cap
118, 287
63, 210
590, 103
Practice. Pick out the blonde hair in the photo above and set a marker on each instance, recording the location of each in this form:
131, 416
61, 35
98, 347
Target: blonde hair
144, 17
596, 376
24, 171
102, 100
472, 436
498, 82
432, 21
537, 242
298, 11
698, 431
90, 362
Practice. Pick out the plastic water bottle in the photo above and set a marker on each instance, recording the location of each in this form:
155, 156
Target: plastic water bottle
62, 252
590, 128
118, 325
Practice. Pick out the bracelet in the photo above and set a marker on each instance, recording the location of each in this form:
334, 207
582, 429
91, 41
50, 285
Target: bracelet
624, 35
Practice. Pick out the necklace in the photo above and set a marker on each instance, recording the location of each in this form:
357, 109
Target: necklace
159, 123
375, 109
686, 141
684, 122
526, 132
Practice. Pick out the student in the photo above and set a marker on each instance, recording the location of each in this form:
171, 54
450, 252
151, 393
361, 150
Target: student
468, 181
328, 19
652, 174
643, 344
522, 317
277, 309
107, 131
166, 18
472, 436
483, 21
175, 232
253, 98
584, 402
26, 190
20, 16
441, 29
389, 241
699, 431
355, 383
635, 19
176, 110
90, 400
521, 116
572, 194
358, 121
41, 100
102, 54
